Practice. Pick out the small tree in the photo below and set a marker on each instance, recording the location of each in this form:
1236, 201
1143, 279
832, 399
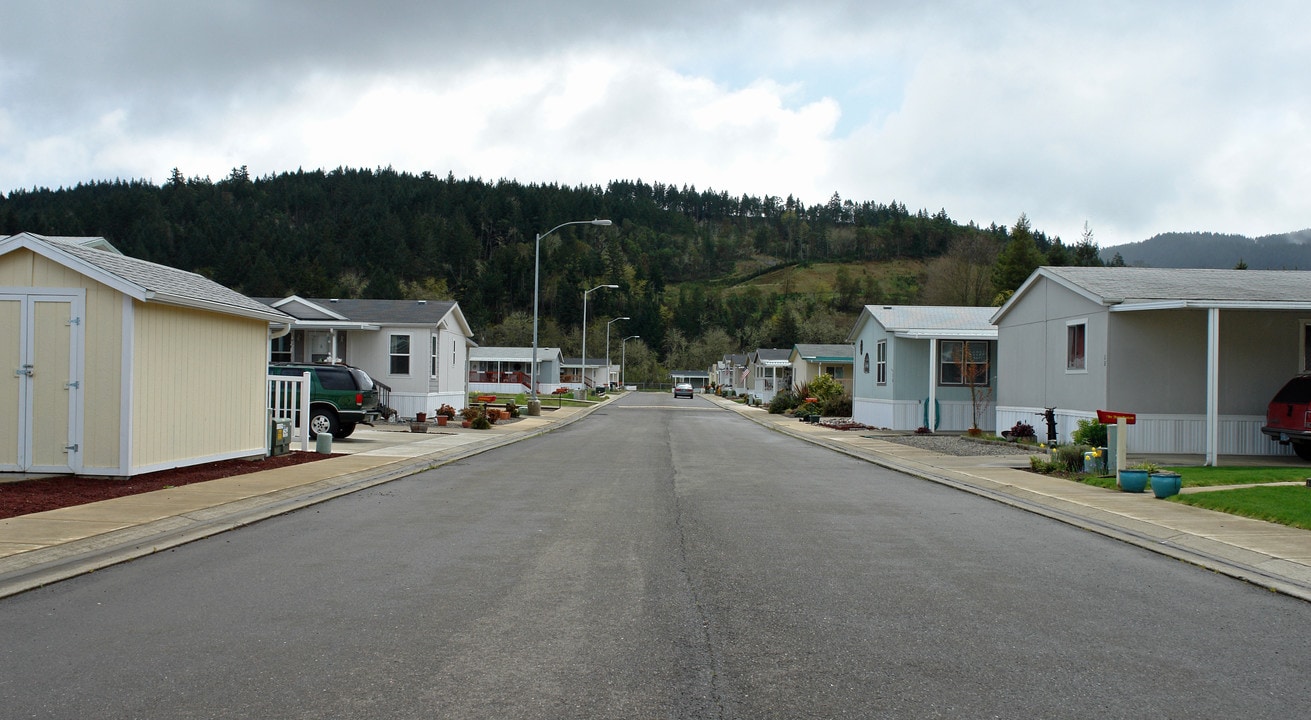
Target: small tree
975, 374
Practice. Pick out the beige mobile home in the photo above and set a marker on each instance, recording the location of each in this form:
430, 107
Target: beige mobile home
115, 366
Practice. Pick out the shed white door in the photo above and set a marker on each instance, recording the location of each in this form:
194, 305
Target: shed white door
41, 383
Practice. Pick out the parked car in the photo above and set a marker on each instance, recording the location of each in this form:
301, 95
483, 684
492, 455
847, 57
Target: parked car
341, 396
1288, 416
683, 390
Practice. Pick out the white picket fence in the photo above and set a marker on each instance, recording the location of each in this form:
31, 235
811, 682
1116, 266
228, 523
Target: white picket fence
289, 399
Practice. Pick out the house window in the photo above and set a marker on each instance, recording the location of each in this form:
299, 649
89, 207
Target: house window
866, 363
834, 371
1076, 335
1306, 346
435, 355
280, 349
963, 362
400, 354
881, 355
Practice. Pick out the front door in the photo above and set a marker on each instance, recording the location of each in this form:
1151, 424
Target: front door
40, 384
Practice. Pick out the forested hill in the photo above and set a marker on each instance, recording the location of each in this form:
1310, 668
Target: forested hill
1288, 251
384, 234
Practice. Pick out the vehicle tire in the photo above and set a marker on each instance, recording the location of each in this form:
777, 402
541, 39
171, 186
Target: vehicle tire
322, 420
1303, 450
344, 431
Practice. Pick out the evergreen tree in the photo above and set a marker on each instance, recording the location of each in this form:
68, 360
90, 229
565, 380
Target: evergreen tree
1018, 259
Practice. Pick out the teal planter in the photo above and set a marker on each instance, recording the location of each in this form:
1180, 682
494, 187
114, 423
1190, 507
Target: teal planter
1165, 484
1133, 480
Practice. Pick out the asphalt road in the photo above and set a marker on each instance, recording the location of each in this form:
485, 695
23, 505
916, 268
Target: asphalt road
660, 559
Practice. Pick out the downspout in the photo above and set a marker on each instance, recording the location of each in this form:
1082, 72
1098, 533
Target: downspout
281, 331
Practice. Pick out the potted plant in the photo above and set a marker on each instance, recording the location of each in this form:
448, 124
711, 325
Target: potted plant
469, 414
1165, 483
1134, 478
444, 413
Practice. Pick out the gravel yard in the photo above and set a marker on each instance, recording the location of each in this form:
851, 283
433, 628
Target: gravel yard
958, 445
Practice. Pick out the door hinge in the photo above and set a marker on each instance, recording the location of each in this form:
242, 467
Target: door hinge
74, 321
75, 384
24, 370
70, 448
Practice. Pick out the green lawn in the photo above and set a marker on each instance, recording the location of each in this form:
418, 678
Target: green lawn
1287, 504
1213, 476
1217, 476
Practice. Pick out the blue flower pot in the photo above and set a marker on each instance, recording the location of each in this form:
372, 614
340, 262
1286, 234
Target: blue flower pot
1132, 480
1165, 484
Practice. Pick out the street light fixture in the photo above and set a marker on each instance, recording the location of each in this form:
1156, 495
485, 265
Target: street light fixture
607, 349
535, 405
623, 359
598, 287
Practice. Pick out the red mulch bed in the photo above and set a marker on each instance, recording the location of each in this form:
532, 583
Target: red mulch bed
29, 496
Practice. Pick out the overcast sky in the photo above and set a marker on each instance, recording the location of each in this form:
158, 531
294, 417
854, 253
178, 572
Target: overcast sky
1137, 117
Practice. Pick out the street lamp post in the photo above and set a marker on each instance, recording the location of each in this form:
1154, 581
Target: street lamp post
623, 359
598, 287
535, 405
607, 349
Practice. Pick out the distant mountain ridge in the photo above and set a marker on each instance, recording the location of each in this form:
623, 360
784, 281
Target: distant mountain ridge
1287, 251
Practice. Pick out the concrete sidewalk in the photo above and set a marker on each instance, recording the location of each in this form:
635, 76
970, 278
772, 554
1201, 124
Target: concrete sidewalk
1265, 554
42, 548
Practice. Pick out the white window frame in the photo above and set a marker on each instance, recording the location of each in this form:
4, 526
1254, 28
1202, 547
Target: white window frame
393, 356
965, 349
881, 363
1070, 366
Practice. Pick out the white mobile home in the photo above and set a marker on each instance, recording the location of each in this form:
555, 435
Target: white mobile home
1195, 354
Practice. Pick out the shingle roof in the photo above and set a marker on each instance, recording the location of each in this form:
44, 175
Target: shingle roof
828, 352
390, 312
1134, 284
142, 280
934, 320
1134, 288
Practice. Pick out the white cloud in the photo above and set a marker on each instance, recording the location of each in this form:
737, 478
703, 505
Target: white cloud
1138, 118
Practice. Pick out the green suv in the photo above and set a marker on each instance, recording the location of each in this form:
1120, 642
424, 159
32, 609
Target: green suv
341, 396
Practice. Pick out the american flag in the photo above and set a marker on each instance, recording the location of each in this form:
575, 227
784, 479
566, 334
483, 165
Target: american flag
745, 372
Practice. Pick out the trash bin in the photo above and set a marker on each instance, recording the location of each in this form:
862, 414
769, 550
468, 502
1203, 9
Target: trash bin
323, 443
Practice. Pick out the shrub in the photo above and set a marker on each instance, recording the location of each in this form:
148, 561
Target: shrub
839, 406
824, 388
1042, 465
446, 410
1090, 432
783, 402
1069, 457
470, 413
807, 409
1023, 430
481, 422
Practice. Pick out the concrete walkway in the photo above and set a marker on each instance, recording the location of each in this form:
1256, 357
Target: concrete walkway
42, 548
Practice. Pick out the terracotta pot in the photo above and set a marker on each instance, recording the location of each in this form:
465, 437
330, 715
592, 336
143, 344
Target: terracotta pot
464, 423
420, 417
441, 420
